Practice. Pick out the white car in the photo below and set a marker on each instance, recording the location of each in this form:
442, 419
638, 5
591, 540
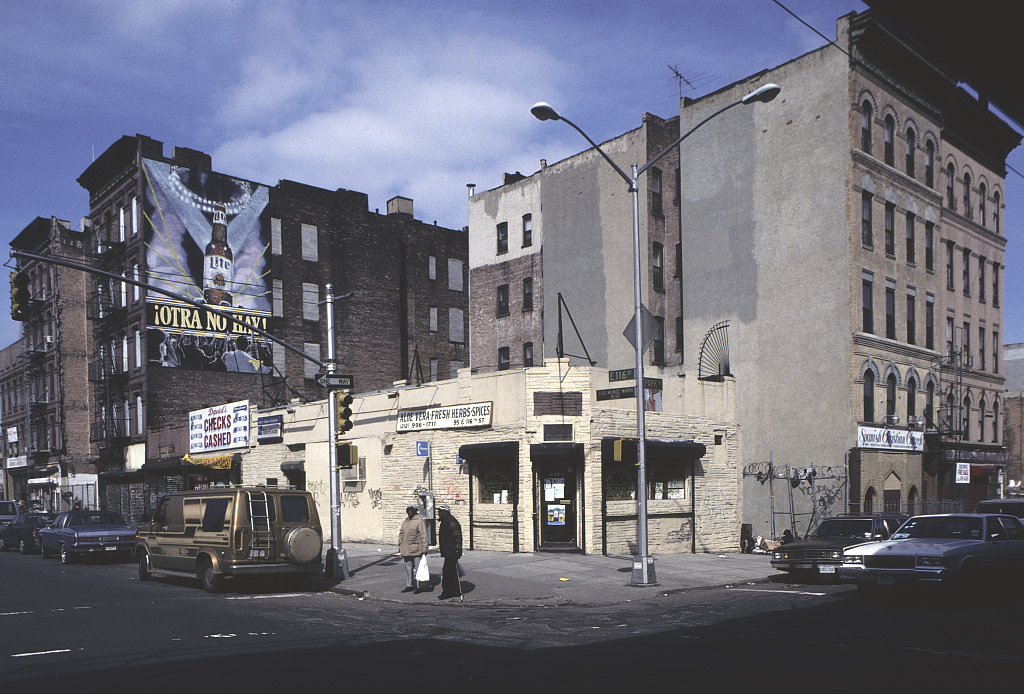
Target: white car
966, 549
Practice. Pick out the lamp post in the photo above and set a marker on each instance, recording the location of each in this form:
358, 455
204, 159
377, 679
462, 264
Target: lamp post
643, 564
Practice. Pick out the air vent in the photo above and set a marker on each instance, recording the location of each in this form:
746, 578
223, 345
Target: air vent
558, 432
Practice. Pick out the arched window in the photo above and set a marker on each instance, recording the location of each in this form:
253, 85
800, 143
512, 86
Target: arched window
869, 500
890, 395
911, 398
912, 499
889, 134
995, 212
929, 164
866, 116
929, 403
966, 418
981, 419
911, 151
982, 194
869, 396
995, 421
967, 195
950, 175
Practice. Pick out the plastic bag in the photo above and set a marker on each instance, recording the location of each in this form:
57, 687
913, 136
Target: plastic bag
423, 571
458, 567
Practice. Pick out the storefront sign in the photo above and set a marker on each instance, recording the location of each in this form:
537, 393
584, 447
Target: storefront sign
216, 428
17, 461
269, 429
963, 473
450, 417
12, 434
891, 439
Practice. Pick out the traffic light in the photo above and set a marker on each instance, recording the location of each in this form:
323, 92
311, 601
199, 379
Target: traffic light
344, 411
347, 455
20, 296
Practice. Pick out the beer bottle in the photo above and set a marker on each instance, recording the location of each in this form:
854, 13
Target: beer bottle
218, 261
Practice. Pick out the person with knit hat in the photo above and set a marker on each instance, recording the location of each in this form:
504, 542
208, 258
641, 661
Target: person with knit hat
449, 537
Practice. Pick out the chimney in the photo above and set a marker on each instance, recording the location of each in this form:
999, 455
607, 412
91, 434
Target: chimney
400, 207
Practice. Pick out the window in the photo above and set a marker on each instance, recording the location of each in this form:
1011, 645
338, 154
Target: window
981, 348
456, 326
502, 234
888, 134
929, 402
967, 196
911, 317
455, 283
138, 349
527, 230
982, 288
503, 300
995, 352
949, 265
890, 229
890, 311
277, 296
890, 395
867, 302
527, 354
431, 267
949, 337
309, 244
911, 150
503, 359
929, 322
950, 175
658, 272
434, 366
966, 337
995, 284
310, 301
275, 236
865, 219
911, 249
453, 368
929, 246
911, 399
866, 116
658, 346
995, 421
679, 261
528, 294
667, 482
310, 369
869, 396
966, 418
655, 179
136, 288
967, 271
929, 164
433, 319
995, 212
982, 194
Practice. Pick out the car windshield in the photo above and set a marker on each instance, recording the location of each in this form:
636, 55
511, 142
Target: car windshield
96, 519
959, 527
844, 527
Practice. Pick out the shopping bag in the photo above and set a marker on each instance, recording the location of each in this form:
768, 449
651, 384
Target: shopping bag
423, 571
458, 567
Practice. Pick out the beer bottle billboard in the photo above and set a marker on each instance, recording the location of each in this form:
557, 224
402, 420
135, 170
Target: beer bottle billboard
218, 261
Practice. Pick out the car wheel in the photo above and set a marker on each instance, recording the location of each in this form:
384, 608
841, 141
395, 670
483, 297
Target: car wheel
143, 559
3, 545
211, 581
65, 555
23, 546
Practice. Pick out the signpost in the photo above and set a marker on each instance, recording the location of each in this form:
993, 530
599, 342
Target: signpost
335, 381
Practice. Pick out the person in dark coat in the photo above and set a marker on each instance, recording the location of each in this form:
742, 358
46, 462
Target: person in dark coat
449, 537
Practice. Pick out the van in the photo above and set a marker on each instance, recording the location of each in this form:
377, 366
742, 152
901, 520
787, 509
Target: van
222, 532
8, 512
1011, 507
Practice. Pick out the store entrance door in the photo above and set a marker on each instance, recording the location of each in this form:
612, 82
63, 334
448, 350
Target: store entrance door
557, 508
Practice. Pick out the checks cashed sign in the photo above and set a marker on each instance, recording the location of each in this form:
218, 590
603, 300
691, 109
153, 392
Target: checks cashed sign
215, 428
451, 417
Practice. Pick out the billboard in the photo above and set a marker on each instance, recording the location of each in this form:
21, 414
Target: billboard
220, 427
206, 240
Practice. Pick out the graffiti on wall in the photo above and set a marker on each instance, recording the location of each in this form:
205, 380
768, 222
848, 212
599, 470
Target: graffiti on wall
450, 491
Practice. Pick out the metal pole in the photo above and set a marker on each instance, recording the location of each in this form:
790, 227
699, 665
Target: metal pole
336, 566
643, 565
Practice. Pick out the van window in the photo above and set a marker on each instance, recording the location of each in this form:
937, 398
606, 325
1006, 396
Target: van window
294, 508
214, 514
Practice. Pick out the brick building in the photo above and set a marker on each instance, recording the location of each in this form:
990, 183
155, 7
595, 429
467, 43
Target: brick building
263, 255
839, 251
45, 392
1013, 423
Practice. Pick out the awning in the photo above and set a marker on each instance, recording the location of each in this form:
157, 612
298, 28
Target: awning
496, 448
52, 479
217, 462
293, 466
674, 449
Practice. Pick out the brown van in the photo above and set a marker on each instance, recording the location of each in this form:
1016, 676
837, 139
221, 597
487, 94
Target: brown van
222, 532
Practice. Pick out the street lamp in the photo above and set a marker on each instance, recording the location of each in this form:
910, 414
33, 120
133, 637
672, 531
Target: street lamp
643, 564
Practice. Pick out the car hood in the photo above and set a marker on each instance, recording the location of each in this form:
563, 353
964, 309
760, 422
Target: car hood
926, 545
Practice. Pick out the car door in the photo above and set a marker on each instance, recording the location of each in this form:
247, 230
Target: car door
1013, 546
49, 535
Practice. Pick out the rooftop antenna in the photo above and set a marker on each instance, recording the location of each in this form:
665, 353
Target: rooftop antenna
680, 79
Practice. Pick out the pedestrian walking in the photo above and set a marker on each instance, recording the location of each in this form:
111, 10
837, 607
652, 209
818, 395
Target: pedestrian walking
412, 545
449, 537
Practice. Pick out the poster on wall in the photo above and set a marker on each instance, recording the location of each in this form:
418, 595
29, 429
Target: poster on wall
207, 241
220, 427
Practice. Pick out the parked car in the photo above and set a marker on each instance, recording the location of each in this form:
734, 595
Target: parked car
963, 549
821, 554
221, 532
8, 512
21, 533
79, 533
1013, 507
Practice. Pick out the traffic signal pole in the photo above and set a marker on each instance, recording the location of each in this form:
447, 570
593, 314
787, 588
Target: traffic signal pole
336, 565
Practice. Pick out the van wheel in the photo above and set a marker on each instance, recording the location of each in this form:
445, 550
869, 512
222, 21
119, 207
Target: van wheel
143, 559
211, 581
65, 555
23, 546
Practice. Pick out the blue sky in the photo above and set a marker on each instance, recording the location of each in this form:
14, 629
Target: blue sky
387, 98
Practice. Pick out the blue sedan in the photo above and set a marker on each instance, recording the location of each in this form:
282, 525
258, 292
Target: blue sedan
81, 533
21, 533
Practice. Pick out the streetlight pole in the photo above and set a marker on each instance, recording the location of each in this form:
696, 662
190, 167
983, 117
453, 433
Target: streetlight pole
643, 563
336, 564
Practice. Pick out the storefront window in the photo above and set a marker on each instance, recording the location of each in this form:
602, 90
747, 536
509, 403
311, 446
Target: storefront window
495, 488
619, 482
667, 483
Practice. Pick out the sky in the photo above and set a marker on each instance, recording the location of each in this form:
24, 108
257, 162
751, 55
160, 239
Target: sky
383, 97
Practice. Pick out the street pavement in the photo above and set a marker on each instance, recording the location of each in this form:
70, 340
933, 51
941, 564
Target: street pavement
546, 578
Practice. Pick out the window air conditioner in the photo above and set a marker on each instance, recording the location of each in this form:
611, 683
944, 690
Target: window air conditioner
47, 339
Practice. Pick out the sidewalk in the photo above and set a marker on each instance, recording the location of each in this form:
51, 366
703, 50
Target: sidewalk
546, 578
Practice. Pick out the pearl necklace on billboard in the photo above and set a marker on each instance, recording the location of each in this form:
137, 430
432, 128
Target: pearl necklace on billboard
187, 195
